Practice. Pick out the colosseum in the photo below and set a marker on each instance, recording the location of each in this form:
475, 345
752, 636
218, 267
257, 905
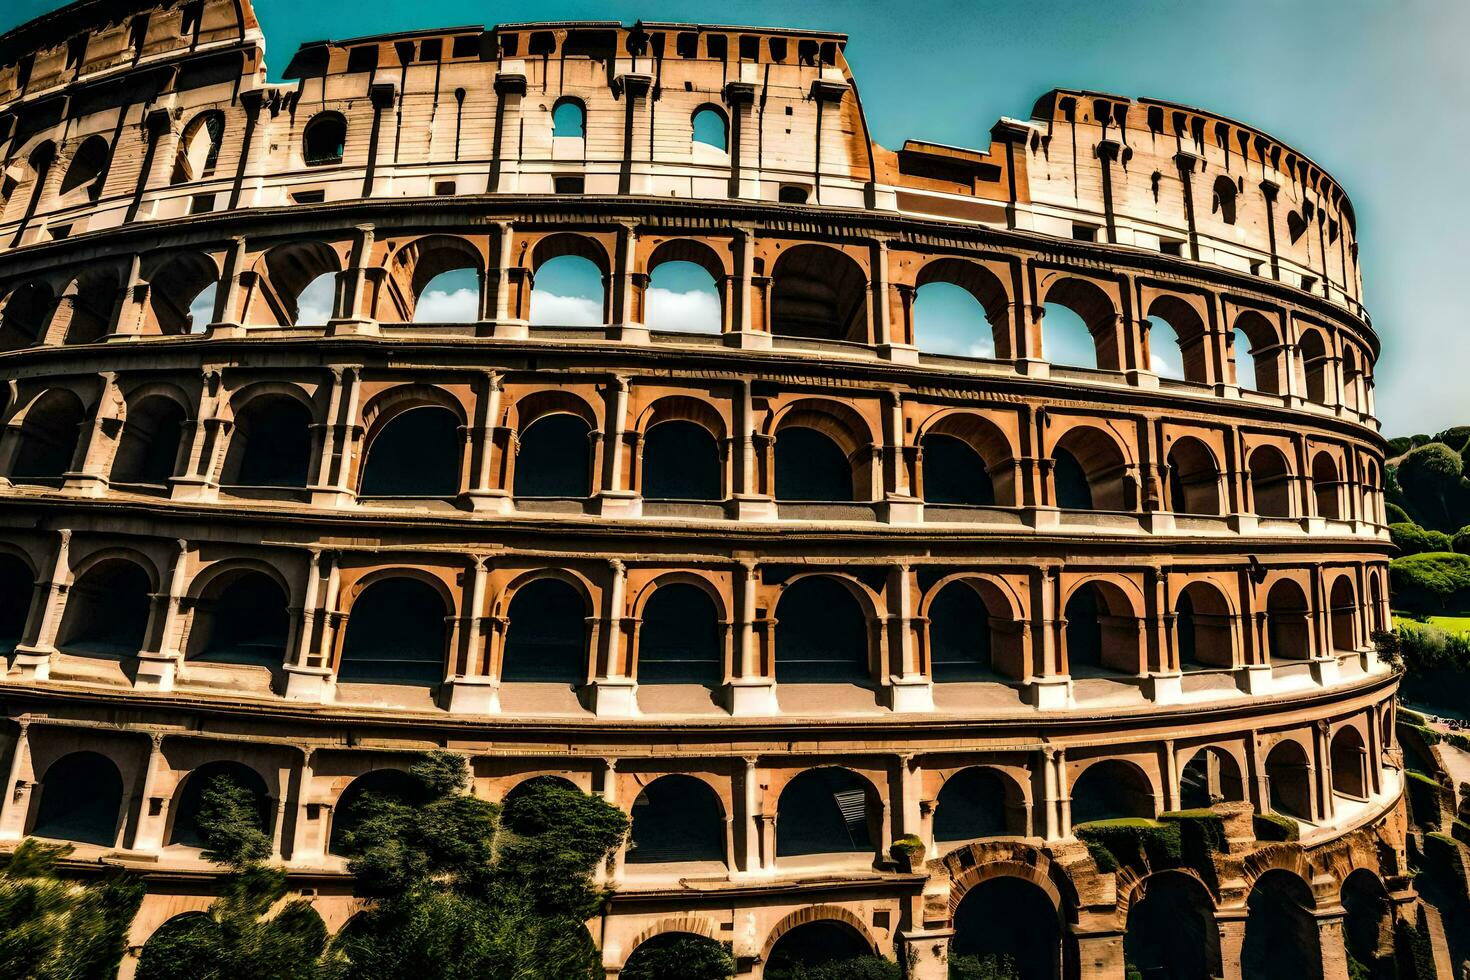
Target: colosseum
787, 586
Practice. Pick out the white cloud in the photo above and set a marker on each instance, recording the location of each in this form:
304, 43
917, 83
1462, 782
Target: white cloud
437, 306
551, 310
981, 348
1160, 365
691, 312
314, 305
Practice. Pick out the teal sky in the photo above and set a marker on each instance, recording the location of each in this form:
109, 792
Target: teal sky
1373, 91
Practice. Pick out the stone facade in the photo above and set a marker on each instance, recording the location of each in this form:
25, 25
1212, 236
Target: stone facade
1167, 583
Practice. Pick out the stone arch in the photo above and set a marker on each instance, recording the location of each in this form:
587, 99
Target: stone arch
966, 459
1368, 926
271, 441
825, 443
532, 780
1211, 775
26, 315
414, 444
682, 621
400, 635
281, 276
1313, 349
86, 172
1288, 626
188, 796
1190, 333
1326, 486
677, 818
177, 281
1289, 779
569, 118
1375, 602
1103, 626
1090, 471
828, 810
324, 139
1349, 754
819, 292
1170, 925
240, 614
1204, 626
50, 437
977, 631
108, 606
1266, 353
682, 454
1097, 310
199, 146
689, 924
1194, 478
1342, 614
562, 243
17, 591
94, 296
547, 629
394, 783
1009, 909
418, 263
152, 437
826, 637
983, 285
816, 914
553, 455
709, 127
1282, 941
699, 255
979, 801
1271, 477
81, 800
1106, 789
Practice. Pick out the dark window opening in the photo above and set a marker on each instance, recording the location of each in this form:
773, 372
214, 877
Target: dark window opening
81, 798
553, 458
810, 466
681, 461
679, 639
245, 623
676, 818
959, 635
824, 811
821, 634
325, 139
955, 474
416, 454
546, 639
396, 634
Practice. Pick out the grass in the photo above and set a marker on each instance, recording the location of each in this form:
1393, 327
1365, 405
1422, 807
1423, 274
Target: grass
1450, 624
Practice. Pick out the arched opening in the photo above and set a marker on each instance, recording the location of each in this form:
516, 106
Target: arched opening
1203, 628
17, 587
1211, 776
241, 619
553, 457
185, 830
811, 466
1326, 485
1194, 478
546, 638
1188, 328
678, 956
1368, 926
315, 302
677, 818
348, 814
978, 802
1171, 930
1375, 603
94, 298
954, 473
1010, 927
27, 312
679, 640
270, 445
1288, 633
813, 945
415, 454
148, 451
569, 119
961, 307
682, 297
567, 288
449, 297
1222, 201
1080, 326
434, 279
296, 284
821, 634
1349, 763
1089, 472
820, 293
681, 461
1110, 790
962, 641
827, 811
324, 139
81, 800
1282, 940
181, 294
199, 148
1352, 379
1289, 780
1257, 354
1342, 617
396, 634
107, 610
1270, 477
536, 784
48, 438
1313, 352
1242, 361
88, 169
1102, 631
708, 127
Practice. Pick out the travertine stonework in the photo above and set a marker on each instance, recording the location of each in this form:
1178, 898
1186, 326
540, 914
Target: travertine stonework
1051, 593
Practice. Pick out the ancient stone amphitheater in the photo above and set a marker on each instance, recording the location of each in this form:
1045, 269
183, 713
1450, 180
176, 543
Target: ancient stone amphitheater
787, 588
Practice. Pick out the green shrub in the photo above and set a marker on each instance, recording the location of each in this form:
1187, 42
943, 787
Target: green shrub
1397, 515
1457, 437
1430, 581
858, 968
1424, 799
991, 966
1131, 841
1399, 445
1275, 827
1412, 539
1460, 543
1424, 647
1430, 477
680, 956
231, 824
1201, 835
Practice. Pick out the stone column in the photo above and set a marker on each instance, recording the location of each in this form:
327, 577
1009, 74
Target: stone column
750, 692
750, 852
1231, 924
309, 677
625, 323
910, 688
32, 657
614, 693
158, 662
747, 330
353, 312
614, 499
751, 502
306, 840
483, 495
152, 810
1334, 948
15, 806
472, 690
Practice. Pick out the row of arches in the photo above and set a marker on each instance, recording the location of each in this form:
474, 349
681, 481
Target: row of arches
401, 626
419, 445
954, 306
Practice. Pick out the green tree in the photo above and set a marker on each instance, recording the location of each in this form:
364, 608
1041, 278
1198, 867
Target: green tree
1413, 539
53, 929
231, 824
1432, 480
1432, 581
679, 956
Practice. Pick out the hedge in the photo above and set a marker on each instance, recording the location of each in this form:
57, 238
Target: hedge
1131, 841
1424, 797
1411, 539
1397, 515
1275, 827
1201, 834
1424, 646
1431, 581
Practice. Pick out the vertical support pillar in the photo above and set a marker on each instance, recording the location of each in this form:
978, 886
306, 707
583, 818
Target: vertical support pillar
910, 687
158, 661
152, 807
614, 693
751, 692
32, 657
748, 330
614, 499
16, 804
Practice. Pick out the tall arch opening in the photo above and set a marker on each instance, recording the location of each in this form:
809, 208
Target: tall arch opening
553, 458
81, 800
954, 473
1282, 941
1089, 472
820, 293
960, 307
1110, 790
397, 633
94, 298
49, 434
348, 814
181, 293
568, 283
270, 445
814, 945
241, 619
1288, 631
681, 461
1203, 628
295, 283
199, 146
827, 811
1080, 326
1312, 349
1211, 776
1194, 478
1102, 631
972, 634
1342, 617
148, 451
185, 829
1368, 926
821, 634
87, 171
978, 802
1188, 328
811, 466
1326, 487
416, 453
683, 296
1270, 477
679, 641
107, 610
546, 639
1009, 926
17, 588
677, 818
1349, 763
1289, 780
26, 314
1257, 355
1171, 929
